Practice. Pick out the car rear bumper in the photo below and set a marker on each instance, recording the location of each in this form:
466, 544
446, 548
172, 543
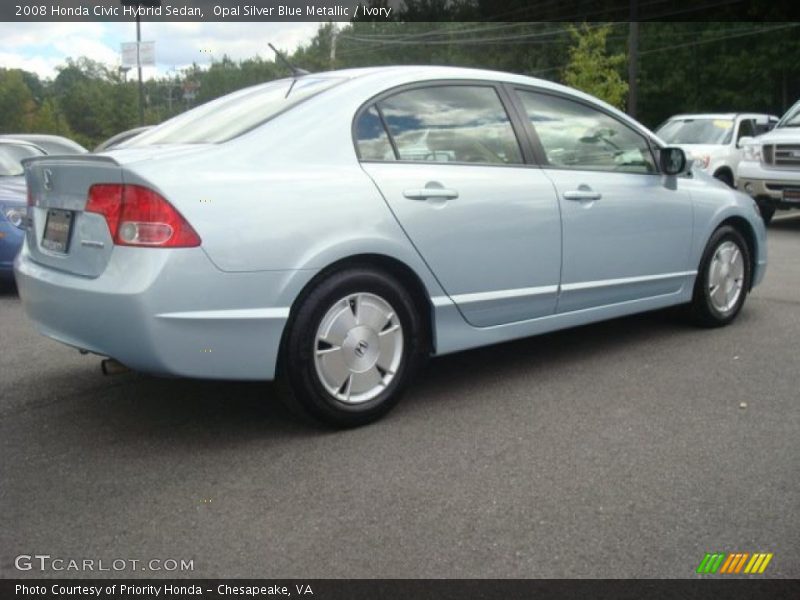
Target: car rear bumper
169, 312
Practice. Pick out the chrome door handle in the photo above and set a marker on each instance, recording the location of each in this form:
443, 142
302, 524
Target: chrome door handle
582, 195
430, 192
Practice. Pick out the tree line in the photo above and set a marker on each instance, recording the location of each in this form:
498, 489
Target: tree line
683, 67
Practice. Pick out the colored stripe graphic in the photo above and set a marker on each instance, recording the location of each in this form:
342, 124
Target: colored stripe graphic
734, 563
710, 563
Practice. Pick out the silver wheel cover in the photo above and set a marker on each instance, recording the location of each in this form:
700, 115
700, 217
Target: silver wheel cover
358, 347
726, 277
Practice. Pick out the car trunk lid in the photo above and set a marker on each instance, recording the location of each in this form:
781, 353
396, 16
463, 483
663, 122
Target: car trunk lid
60, 233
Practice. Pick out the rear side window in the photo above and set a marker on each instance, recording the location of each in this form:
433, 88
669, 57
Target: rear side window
371, 137
457, 123
232, 115
577, 136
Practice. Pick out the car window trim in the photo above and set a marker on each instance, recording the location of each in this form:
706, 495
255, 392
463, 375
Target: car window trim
650, 143
393, 91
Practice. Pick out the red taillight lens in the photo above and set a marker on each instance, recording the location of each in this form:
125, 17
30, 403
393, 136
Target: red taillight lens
138, 216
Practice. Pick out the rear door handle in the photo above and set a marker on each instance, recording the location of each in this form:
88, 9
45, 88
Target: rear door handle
582, 195
430, 192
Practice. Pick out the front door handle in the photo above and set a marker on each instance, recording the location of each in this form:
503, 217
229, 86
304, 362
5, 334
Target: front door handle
430, 192
582, 195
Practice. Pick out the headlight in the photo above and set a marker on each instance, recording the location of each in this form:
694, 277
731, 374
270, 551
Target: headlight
752, 152
701, 160
16, 216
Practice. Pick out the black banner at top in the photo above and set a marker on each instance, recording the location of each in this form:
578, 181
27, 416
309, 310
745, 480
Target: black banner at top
399, 10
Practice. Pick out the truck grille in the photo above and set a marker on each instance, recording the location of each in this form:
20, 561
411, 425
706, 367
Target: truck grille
782, 155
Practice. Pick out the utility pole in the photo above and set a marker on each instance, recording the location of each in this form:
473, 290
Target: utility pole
633, 58
136, 4
334, 33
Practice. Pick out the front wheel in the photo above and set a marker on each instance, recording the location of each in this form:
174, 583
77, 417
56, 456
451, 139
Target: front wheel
353, 345
723, 279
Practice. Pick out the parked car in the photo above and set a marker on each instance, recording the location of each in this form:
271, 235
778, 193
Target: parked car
770, 170
296, 229
713, 141
124, 136
13, 207
52, 144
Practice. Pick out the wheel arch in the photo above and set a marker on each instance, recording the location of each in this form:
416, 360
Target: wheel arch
379, 262
741, 225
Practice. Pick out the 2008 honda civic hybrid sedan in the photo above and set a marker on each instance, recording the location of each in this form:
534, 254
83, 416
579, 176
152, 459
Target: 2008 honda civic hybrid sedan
336, 229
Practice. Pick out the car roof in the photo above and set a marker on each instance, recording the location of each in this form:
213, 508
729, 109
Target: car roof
18, 142
718, 115
43, 137
390, 76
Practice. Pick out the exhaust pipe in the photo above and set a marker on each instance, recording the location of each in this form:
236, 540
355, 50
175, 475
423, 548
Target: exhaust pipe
111, 366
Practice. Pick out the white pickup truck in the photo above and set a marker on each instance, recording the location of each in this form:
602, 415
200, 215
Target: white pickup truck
770, 167
714, 141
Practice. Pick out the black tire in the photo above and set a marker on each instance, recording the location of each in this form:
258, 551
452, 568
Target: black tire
702, 309
767, 212
725, 177
306, 390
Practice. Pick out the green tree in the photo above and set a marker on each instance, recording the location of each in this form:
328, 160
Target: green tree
16, 102
592, 69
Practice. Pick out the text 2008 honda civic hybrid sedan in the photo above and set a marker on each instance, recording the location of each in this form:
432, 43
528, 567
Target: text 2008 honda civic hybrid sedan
336, 229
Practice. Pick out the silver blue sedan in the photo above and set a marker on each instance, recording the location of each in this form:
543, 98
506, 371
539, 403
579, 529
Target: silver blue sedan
336, 229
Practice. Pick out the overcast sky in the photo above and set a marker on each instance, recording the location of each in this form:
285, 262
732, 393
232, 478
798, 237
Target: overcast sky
41, 47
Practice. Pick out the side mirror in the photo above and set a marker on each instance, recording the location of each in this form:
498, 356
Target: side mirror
744, 141
672, 161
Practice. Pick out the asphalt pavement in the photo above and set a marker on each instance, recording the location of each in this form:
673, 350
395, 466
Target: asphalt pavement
624, 449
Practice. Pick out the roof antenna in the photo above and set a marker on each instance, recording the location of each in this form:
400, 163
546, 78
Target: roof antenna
295, 71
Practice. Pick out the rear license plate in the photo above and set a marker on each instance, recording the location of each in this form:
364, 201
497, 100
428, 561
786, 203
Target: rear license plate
791, 195
57, 228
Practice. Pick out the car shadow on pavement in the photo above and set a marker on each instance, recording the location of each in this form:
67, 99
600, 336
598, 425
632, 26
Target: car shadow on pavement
791, 222
540, 355
132, 407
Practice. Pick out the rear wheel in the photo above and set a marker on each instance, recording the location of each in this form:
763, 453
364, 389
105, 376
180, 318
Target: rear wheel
723, 280
353, 345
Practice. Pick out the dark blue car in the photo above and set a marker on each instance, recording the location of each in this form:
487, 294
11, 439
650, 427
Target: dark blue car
13, 201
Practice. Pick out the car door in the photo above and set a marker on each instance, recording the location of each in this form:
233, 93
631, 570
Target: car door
627, 229
446, 159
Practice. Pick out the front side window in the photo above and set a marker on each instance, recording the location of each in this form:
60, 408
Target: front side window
576, 136
746, 129
451, 123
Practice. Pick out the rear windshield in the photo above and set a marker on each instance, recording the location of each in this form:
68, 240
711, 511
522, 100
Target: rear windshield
10, 157
697, 131
232, 115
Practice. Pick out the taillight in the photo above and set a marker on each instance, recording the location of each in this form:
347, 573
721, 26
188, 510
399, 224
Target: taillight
138, 216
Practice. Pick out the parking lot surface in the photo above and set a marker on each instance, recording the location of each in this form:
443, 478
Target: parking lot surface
624, 449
